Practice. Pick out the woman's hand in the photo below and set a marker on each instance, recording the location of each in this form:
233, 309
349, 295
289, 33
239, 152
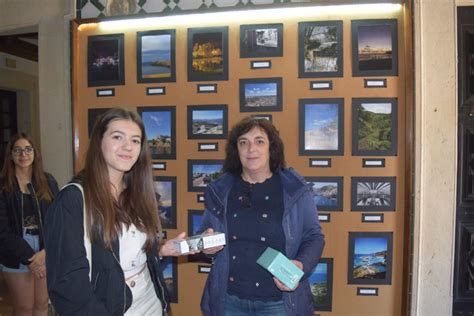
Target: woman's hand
167, 249
213, 250
37, 265
283, 287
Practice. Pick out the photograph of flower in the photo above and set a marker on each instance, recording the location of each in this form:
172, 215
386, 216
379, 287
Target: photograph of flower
156, 56
321, 126
262, 94
320, 49
327, 192
261, 40
374, 48
160, 128
320, 283
203, 172
105, 60
207, 54
170, 274
165, 191
373, 193
374, 127
370, 258
207, 122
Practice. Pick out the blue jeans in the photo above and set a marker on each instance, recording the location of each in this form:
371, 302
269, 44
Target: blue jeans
33, 241
235, 306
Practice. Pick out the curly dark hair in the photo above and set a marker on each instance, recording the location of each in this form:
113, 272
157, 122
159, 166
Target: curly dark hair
232, 162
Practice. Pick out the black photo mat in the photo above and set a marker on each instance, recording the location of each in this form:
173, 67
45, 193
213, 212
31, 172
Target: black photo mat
208, 54
105, 60
93, 115
156, 56
261, 94
321, 127
261, 40
207, 121
160, 128
374, 47
374, 126
165, 191
320, 49
373, 194
327, 193
370, 257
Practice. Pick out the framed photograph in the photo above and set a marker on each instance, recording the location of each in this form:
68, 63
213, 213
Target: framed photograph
207, 121
93, 116
320, 283
208, 54
321, 130
261, 95
170, 274
156, 52
160, 128
105, 60
374, 126
374, 48
203, 172
370, 258
328, 193
165, 191
373, 194
194, 224
320, 49
261, 40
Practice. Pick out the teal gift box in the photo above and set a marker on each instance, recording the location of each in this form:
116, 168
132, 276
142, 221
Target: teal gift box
281, 267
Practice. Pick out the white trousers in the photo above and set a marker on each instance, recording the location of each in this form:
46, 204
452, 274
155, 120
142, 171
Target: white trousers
145, 302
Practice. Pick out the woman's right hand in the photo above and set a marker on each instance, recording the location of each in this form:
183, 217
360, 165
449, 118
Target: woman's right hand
213, 250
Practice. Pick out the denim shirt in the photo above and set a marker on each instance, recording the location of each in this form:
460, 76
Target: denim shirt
304, 240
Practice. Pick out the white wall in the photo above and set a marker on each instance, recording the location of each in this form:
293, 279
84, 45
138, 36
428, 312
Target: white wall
51, 17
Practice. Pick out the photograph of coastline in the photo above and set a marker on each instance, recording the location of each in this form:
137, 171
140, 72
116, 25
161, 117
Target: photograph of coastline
160, 130
320, 45
263, 94
321, 126
105, 60
261, 40
156, 60
165, 191
327, 192
320, 283
202, 172
375, 47
207, 54
370, 258
375, 128
170, 275
207, 122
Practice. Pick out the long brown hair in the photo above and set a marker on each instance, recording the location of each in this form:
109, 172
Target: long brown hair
136, 203
8, 171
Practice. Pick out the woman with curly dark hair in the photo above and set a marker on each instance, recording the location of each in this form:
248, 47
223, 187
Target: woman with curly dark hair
259, 203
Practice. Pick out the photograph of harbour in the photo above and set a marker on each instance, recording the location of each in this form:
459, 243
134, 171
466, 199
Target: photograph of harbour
156, 59
207, 53
375, 47
325, 194
321, 122
370, 256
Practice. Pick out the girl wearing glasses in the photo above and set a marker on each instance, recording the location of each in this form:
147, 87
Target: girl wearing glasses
259, 203
122, 221
25, 194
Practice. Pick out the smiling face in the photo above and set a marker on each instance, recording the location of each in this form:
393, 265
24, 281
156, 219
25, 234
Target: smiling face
20, 157
254, 152
121, 145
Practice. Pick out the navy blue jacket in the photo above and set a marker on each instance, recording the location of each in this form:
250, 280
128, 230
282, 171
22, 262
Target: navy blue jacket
69, 287
303, 237
13, 248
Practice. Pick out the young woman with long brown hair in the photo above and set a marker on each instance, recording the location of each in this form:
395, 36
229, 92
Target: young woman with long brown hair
122, 222
25, 194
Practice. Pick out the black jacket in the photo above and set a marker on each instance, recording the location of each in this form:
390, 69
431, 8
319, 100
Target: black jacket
69, 287
13, 248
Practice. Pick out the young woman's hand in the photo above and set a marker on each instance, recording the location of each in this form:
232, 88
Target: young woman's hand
167, 249
213, 250
37, 260
283, 287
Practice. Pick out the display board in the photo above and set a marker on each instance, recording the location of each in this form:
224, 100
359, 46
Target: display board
334, 86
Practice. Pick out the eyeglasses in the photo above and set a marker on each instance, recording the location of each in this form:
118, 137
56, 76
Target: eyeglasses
246, 199
28, 150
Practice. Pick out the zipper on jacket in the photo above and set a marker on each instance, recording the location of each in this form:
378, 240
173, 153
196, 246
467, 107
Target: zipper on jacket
124, 284
162, 292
